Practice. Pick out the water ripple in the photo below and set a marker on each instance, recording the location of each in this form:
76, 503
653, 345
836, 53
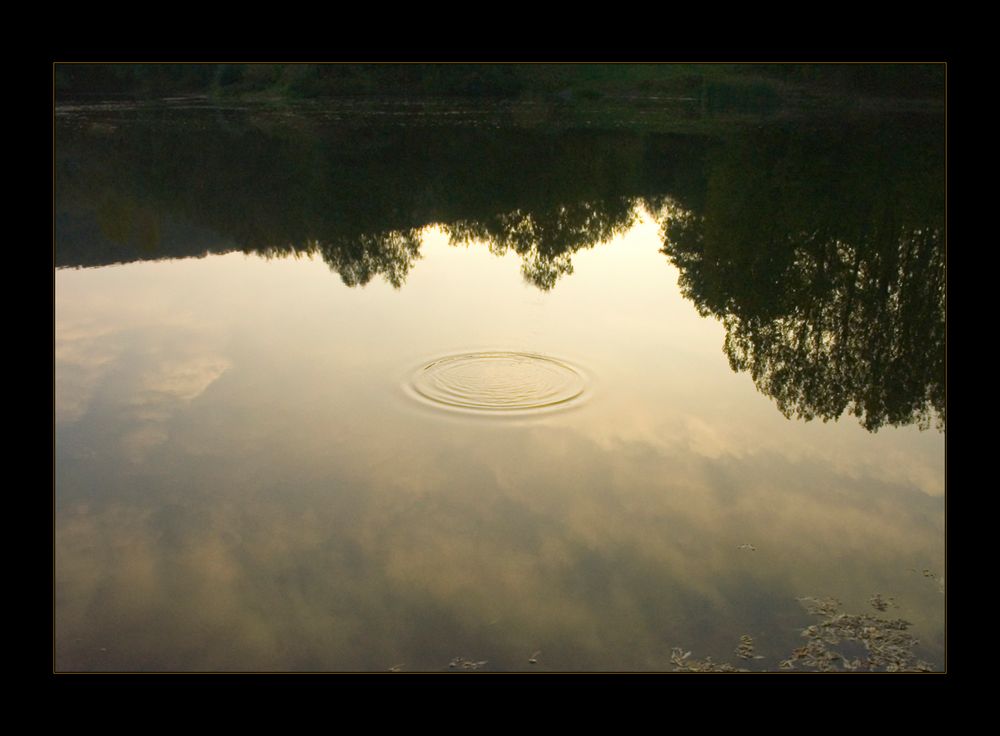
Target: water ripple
499, 381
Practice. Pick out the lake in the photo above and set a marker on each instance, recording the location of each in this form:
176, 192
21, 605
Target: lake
441, 386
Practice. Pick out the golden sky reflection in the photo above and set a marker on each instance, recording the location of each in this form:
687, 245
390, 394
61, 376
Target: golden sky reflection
242, 484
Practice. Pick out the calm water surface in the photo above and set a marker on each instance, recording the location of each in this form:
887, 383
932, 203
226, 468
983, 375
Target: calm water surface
351, 391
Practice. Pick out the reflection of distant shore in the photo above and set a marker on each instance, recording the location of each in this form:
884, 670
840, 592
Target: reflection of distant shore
820, 246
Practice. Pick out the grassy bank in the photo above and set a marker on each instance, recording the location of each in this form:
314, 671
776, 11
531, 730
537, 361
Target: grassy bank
568, 82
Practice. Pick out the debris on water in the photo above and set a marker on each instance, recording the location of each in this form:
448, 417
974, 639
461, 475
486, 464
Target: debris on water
820, 606
928, 574
396, 668
467, 664
748, 547
682, 663
534, 657
879, 603
888, 646
745, 649
939, 579
870, 643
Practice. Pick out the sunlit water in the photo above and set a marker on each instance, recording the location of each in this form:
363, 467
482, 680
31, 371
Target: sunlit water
242, 483
415, 450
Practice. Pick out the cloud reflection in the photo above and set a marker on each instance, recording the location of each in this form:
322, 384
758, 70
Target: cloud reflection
602, 557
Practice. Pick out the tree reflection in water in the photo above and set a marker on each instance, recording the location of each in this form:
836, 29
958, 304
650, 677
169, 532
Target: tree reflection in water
823, 255
820, 248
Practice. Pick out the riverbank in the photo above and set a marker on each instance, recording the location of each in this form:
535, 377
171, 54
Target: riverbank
755, 84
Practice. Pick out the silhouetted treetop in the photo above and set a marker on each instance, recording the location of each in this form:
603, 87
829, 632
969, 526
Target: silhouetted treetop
546, 240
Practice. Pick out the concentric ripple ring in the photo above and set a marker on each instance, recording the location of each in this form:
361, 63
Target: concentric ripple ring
499, 381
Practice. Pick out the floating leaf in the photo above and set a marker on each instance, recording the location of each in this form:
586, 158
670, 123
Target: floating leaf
889, 648
745, 649
879, 603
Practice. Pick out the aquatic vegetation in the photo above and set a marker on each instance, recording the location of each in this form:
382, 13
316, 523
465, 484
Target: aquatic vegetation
887, 647
838, 642
745, 649
879, 603
683, 663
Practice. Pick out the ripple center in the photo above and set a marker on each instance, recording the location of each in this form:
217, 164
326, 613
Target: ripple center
498, 381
